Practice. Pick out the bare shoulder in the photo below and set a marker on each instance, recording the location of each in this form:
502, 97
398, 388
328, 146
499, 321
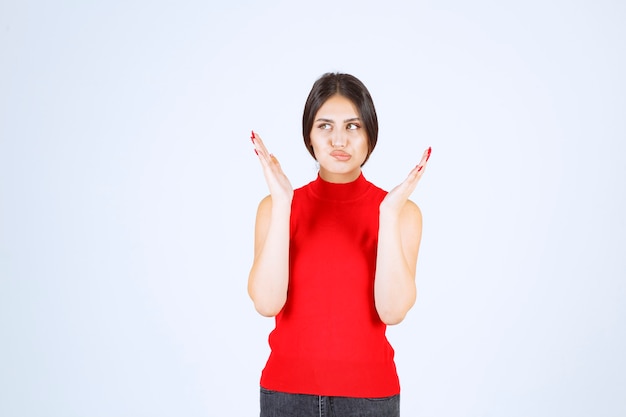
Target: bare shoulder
265, 207
266, 202
411, 214
411, 230
261, 227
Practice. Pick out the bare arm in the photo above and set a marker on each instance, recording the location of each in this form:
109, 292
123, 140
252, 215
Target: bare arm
398, 244
399, 236
269, 275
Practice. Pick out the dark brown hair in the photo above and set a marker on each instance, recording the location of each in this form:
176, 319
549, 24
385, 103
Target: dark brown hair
349, 87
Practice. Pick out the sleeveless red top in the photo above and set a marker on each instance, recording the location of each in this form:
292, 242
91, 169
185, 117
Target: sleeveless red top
328, 338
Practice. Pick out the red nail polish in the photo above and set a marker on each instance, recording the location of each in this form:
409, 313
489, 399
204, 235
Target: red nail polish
252, 136
256, 152
419, 169
429, 150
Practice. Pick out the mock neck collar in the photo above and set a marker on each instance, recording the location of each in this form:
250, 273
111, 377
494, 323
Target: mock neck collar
340, 191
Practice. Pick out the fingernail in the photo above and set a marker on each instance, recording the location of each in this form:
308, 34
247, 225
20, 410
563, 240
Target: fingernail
429, 150
252, 136
256, 152
419, 169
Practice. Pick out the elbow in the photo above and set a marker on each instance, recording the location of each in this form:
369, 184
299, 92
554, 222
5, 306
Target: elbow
268, 295
391, 318
392, 314
267, 305
267, 309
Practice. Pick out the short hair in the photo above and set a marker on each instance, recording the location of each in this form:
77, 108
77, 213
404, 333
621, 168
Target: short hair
349, 87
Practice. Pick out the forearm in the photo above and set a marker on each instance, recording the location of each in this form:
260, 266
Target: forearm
394, 285
269, 275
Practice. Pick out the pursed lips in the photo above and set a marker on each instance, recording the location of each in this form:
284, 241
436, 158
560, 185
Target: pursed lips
340, 155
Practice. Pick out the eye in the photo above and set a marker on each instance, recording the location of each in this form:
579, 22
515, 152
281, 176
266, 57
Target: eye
324, 126
352, 126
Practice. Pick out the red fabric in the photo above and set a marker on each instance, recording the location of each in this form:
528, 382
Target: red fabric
328, 338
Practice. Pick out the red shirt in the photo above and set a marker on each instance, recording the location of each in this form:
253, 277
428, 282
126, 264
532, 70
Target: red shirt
329, 339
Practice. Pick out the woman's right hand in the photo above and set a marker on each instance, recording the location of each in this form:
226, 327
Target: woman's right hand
269, 275
277, 182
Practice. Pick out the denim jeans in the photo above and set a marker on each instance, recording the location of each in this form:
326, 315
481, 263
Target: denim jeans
280, 404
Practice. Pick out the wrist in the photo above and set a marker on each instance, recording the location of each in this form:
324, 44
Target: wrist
388, 213
388, 219
281, 208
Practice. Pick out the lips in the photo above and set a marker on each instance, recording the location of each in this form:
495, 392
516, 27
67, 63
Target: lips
340, 155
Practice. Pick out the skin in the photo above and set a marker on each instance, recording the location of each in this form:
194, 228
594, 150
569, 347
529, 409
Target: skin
340, 145
337, 134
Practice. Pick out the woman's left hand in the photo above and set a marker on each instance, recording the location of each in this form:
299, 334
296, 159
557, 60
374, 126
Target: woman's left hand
396, 198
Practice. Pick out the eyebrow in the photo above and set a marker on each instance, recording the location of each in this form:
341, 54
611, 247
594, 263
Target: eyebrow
353, 119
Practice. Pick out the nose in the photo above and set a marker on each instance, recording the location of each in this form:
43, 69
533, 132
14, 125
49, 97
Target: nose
338, 139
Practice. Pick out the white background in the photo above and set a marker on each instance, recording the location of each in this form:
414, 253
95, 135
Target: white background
128, 190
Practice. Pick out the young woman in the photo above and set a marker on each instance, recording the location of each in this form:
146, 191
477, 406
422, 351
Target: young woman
334, 262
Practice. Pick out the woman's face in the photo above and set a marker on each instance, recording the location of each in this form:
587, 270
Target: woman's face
339, 140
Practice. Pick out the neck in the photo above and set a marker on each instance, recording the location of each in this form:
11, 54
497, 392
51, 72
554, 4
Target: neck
339, 178
334, 191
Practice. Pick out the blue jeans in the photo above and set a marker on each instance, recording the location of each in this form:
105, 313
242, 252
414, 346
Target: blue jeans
280, 404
